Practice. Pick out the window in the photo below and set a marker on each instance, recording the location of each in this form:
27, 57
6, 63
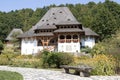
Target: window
52, 41
75, 36
62, 37
39, 43
75, 26
26, 40
68, 37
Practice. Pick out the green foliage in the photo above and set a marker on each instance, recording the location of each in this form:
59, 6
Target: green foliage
61, 59
4, 60
1, 46
7, 56
99, 48
54, 59
101, 64
8, 50
110, 46
44, 56
105, 65
103, 18
86, 49
22, 62
7, 75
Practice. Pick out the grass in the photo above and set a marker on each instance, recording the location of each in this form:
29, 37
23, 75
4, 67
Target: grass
7, 75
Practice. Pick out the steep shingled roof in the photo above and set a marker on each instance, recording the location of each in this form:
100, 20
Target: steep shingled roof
57, 15
89, 32
53, 18
15, 30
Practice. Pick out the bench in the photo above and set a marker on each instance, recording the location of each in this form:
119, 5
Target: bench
82, 70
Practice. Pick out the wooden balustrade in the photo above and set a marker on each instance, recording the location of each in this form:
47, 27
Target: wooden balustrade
68, 40
75, 40
61, 41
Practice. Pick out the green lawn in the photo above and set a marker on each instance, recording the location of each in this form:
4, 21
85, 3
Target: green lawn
7, 75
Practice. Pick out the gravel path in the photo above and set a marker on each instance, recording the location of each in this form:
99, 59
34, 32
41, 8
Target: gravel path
42, 74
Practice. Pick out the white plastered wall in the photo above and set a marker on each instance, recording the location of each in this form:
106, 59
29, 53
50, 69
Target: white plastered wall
88, 41
29, 46
69, 47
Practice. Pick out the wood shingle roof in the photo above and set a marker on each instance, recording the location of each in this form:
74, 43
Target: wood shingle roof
53, 18
15, 30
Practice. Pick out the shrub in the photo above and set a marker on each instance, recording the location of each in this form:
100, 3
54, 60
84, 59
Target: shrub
56, 59
34, 63
102, 64
4, 60
19, 60
78, 59
105, 65
1, 46
99, 48
44, 56
65, 58
8, 50
86, 49
24, 57
38, 55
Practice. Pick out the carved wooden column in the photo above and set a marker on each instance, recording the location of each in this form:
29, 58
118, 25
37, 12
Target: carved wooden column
65, 38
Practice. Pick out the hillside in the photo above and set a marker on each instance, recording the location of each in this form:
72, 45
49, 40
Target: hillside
103, 18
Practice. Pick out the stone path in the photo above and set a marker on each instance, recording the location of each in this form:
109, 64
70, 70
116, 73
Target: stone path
42, 74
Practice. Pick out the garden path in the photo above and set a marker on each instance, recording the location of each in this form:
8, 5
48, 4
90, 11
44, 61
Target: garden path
42, 74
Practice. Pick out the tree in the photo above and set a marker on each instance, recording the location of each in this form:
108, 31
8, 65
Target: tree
1, 46
103, 18
104, 23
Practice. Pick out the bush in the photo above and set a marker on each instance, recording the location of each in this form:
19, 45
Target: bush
19, 60
66, 58
105, 65
56, 59
4, 60
86, 49
62, 59
77, 59
99, 48
34, 63
8, 50
102, 64
1, 46
24, 57
44, 56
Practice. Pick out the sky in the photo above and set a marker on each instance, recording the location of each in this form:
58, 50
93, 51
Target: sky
8, 5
